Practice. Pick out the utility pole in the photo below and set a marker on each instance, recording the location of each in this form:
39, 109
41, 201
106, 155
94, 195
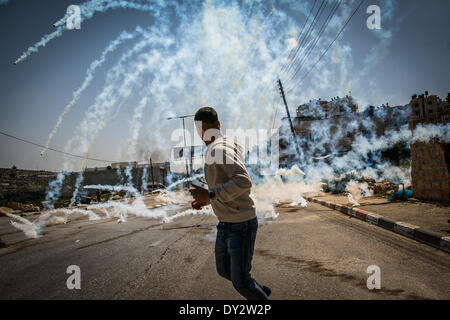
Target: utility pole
280, 85
191, 154
184, 136
151, 170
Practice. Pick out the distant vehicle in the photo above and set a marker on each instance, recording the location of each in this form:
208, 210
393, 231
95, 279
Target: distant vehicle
155, 188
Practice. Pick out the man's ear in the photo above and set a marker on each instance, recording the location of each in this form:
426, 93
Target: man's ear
219, 124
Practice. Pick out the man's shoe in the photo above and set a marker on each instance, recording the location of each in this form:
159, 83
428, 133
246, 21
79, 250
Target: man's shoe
266, 290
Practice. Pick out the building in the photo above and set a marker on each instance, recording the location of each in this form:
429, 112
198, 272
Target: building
430, 161
320, 108
338, 122
429, 108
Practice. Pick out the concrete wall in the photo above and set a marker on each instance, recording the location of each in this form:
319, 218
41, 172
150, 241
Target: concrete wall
430, 171
114, 177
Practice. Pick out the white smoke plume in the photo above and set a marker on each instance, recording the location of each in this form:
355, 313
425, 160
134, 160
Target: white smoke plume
228, 55
207, 210
135, 126
144, 182
87, 81
30, 229
87, 10
357, 191
117, 188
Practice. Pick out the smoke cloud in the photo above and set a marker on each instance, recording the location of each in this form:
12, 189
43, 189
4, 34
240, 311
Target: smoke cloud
228, 55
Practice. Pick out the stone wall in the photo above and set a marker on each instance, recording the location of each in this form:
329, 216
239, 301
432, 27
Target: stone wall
430, 171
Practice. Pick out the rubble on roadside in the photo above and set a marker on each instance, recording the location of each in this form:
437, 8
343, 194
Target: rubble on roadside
23, 207
380, 188
5, 210
18, 208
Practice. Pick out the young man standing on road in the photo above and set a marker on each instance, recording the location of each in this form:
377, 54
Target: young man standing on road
229, 195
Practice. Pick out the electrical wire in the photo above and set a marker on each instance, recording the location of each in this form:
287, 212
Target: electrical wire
290, 57
52, 149
307, 35
314, 42
328, 48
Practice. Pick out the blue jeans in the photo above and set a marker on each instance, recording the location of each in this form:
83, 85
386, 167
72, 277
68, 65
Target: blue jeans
235, 243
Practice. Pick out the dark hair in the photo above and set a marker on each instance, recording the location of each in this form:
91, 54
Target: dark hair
208, 117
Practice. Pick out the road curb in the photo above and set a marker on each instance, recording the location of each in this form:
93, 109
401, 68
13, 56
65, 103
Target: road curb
431, 238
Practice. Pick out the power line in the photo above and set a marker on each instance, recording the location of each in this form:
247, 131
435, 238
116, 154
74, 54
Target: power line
331, 44
315, 41
307, 35
55, 150
290, 57
301, 39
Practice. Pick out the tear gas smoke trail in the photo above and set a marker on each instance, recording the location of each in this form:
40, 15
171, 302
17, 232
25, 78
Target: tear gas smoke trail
131, 77
256, 42
179, 197
45, 39
134, 132
54, 189
129, 176
80, 176
119, 174
135, 127
48, 218
94, 122
122, 209
188, 179
88, 9
144, 179
95, 118
119, 209
207, 210
78, 183
189, 65
31, 230
136, 208
89, 77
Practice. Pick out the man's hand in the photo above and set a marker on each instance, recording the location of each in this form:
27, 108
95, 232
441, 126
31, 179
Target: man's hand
200, 195
198, 205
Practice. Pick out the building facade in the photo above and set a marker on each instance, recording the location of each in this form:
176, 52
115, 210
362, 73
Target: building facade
330, 127
430, 161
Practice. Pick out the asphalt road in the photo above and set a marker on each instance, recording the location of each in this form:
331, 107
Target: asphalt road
307, 253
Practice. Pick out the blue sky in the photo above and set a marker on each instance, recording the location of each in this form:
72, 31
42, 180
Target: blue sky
34, 92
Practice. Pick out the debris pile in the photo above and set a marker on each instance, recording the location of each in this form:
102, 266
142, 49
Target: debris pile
380, 188
5, 210
17, 206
